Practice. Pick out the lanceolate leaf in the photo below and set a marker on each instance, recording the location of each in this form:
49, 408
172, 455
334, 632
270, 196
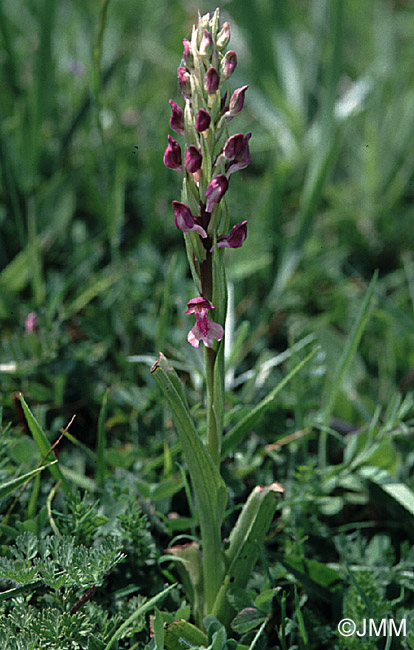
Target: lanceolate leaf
209, 488
245, 538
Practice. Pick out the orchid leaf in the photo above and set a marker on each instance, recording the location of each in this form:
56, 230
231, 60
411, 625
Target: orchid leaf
245, 539
209, 488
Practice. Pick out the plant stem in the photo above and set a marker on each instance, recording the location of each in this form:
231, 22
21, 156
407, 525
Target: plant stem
213, 433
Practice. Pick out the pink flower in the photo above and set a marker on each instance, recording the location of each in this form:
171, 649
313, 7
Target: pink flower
206, 45
202, 120
223, 36
184, 81
177, 118
172, 154
193, 160
204, 330
187, 56
185, 221
228, 64
235, 238
211, 81
237, 101
239, 151
215, 191
30, 324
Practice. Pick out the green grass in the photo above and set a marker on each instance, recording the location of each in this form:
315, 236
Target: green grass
88, 241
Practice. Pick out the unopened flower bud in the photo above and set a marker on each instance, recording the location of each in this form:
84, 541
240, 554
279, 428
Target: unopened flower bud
177, 118
228, 64
215, 191
235, 238
206, 45
223, 36
184, 81
202, 120
172, 155
193, 160
211, 81
204, 20
185, 221
237, 101
187, 55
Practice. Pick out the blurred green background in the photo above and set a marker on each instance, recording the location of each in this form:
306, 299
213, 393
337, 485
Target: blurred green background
87, 236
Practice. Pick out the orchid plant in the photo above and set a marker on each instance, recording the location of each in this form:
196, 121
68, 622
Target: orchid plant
206, 159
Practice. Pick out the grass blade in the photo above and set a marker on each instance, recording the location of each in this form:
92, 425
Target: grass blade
348, 353
235, 436
10, 486
138, 612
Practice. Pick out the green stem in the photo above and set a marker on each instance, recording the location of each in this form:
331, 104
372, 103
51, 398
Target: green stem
213, 435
